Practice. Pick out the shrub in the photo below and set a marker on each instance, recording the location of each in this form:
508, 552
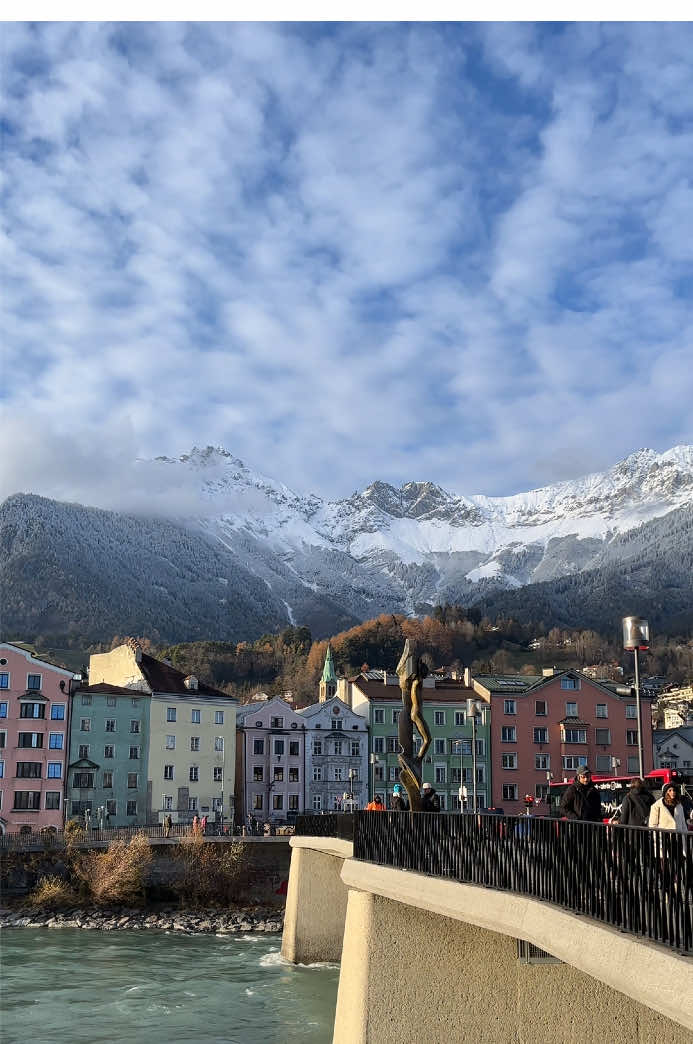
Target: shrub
209, 871
116, 875
74, 831
52, 891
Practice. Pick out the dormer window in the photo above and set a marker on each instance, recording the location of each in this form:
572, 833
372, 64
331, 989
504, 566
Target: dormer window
191, 682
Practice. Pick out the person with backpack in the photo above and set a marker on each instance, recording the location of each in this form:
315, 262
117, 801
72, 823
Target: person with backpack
635, 810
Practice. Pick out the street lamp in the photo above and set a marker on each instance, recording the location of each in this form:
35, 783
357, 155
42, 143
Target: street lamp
463, 798
373, 758
474, 707
636, 636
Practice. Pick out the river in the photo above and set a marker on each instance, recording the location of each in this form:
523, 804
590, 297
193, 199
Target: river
62, 986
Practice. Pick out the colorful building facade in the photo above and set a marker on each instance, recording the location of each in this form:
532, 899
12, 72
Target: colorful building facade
336, 757
270, 763
34, 727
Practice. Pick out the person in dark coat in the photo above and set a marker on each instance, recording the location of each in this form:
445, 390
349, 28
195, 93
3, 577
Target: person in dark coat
399, 802
581, 800
635, 810
430, 802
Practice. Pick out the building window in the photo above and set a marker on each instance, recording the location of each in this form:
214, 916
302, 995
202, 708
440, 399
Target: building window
83, 780
3, 739
170, 714
110, 701
55, 770
134, 753
542, 761
170, 743
459, 717
509, 761
510, 792
574, 735
317, 802
339, 725
135, 725
219, 743
317, 746
218, 717
27, 800
379, 716
541, 735
338, 774
439, 717
195, 717
83, 751
4, 680
28, 770
570, 683
294, 748
573, 761
109, 751
258, 746
481, 748
3, 709
85, 725
633, 764
602, 710
111, 807
194, 742
277, 802
52, 800
379, 772
395, 717
393, 773
278, 774
540, 708
86, 699
278, 746
338, 746
439, 746
355, 749
168, 772
508, 734
132, 781
631, 710
509, 706
293, 802
193, 804
217, 774
133, 701
603, 763
379, 745
440, 774
257, 802
194, 774
33, 682
131, 808
32, 710
293, 775
632, 737
277, 722
55, 741
571, 709
258, 773
108, 780
317, 774
392, 745
30, 739
603, 737
58, 712
110, 724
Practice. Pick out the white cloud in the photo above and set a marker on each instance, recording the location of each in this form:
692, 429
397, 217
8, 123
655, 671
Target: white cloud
344, 252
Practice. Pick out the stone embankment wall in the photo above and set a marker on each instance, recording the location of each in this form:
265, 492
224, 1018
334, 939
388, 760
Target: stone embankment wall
126, 919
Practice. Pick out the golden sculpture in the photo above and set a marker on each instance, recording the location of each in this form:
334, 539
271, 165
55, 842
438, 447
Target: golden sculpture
411, 672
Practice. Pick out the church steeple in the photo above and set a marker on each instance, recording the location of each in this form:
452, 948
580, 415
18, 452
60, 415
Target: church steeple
328, 682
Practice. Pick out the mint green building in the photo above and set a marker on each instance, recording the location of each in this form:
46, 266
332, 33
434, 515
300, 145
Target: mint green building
449, 761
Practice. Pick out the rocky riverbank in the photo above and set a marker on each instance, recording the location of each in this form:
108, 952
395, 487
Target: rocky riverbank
192, 922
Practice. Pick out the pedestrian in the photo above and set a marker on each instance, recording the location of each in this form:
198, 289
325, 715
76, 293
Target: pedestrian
203, 825
399, 803
376, 805
168, 823
581, 800
667, 813
636, 806
430, 802
108, 820
196, 824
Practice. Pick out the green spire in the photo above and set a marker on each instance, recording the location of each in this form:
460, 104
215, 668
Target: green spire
328, 672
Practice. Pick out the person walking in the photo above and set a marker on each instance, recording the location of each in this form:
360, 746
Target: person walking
168, 823
196, 824
376, 805
203, 825
430, 802
636, 806
399, 803
581, 800
667, 813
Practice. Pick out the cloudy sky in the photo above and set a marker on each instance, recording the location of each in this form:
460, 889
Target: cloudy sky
345, 252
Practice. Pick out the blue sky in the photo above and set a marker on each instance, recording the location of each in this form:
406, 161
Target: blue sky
348, 252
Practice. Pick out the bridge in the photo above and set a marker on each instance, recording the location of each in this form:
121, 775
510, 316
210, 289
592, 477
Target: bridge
487, 928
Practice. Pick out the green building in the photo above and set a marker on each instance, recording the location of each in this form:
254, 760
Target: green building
108, 756
449, 761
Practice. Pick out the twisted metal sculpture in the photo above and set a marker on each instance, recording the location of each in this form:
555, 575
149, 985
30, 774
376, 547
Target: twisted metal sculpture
411, 671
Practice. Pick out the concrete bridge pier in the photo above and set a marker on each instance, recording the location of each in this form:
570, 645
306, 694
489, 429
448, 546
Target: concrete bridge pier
316, 900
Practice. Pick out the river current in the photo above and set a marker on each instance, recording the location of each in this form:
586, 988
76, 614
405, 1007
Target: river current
63, 986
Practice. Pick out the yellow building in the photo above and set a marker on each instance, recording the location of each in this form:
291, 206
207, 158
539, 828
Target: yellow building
192, 735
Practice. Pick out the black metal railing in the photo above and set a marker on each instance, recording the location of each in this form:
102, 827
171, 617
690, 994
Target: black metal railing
635, 879
327, 824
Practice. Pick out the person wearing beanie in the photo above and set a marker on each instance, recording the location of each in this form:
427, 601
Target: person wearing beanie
399, 802
667, 813
430, 802
581, 800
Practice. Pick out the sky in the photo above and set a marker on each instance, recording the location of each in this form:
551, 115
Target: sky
345, 252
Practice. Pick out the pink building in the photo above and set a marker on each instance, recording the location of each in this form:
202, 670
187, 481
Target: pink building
34, 720
544, 729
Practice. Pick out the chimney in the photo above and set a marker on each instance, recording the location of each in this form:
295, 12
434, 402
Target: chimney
384, 677
548, 672
190, 682
467, 677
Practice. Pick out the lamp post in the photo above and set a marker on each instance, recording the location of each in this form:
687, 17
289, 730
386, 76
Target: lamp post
474, 707
636, 636
549, 777
373, 758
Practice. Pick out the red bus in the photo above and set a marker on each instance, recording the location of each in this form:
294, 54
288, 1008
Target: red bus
613, 789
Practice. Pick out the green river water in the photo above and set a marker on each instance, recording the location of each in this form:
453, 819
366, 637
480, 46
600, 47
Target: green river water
64, 986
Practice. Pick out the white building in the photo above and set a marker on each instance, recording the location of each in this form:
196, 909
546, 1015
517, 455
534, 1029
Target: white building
673, 749
336, 757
